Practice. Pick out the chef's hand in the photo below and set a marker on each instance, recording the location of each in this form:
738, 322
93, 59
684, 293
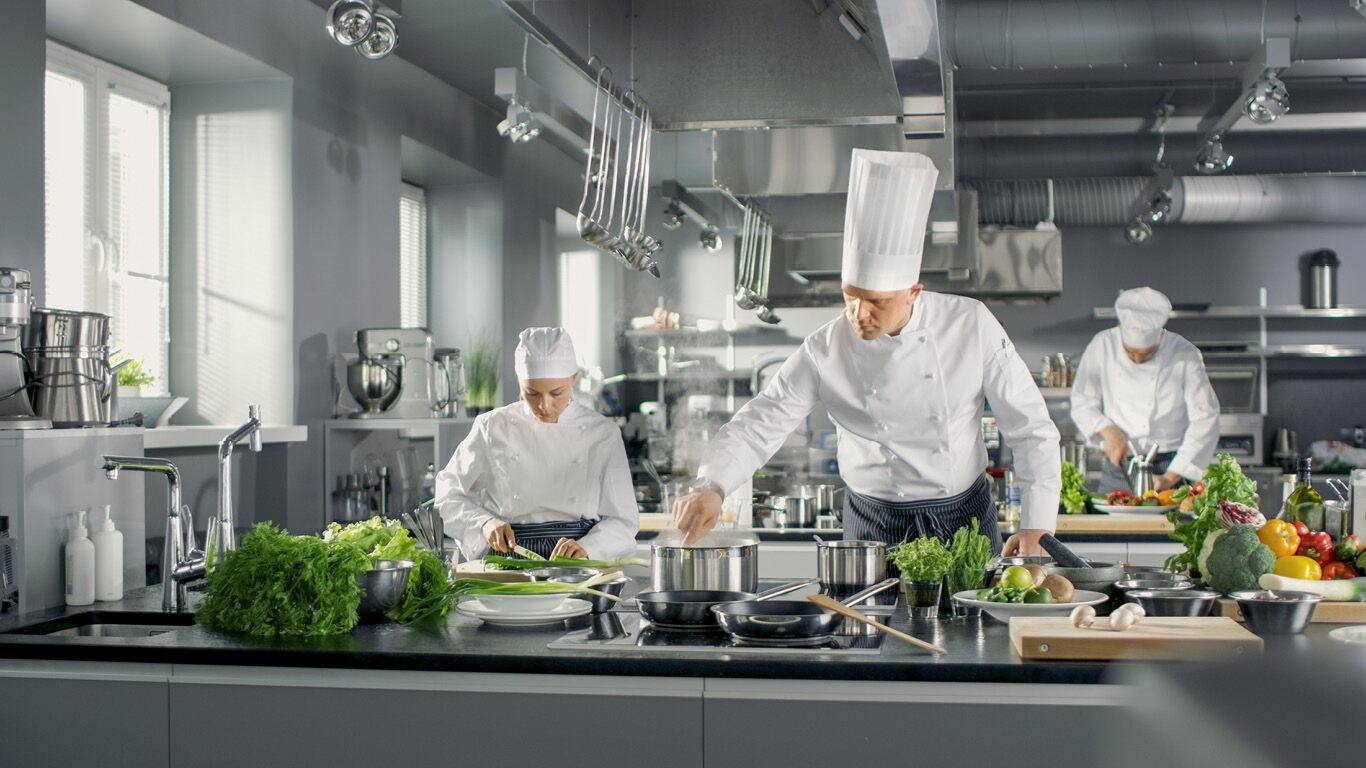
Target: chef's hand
1024, 543
1115, 445
1166, 480
697, 513
569, 548
498, 533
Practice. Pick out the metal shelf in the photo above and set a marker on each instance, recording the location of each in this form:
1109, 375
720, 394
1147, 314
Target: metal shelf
690, 334
711, 375
1284, 311
1290, 350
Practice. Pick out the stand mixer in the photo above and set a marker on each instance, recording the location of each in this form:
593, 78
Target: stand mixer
15, 304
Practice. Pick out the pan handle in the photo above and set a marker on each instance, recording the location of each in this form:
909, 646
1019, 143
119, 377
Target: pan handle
868, 592
784, 589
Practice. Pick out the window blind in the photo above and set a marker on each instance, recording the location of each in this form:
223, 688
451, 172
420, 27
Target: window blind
412, 233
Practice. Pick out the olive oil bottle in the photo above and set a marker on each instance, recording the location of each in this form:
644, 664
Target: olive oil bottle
1304, 504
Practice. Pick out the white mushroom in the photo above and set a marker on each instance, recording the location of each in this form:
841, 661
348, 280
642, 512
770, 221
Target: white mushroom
1135, 609
1121, 620
1083, 616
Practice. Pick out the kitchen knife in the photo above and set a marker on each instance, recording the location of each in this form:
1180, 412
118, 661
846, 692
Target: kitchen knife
524, 552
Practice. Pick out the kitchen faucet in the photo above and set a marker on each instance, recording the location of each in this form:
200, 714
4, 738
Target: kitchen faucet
181, 561
222, 537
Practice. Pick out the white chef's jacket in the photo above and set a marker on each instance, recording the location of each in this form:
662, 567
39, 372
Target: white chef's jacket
907, 409
1166, 400
517, 468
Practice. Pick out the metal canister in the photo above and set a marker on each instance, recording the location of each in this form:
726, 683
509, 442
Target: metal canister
1323, 280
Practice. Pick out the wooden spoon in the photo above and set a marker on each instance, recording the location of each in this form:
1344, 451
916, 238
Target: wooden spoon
838, 607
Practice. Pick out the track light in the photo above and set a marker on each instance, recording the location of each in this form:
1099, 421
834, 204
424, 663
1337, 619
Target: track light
1211, 157
1137, 231
357, 24
767, 315
1267, 100
520, 125
710, 240
673, 216
1159, 207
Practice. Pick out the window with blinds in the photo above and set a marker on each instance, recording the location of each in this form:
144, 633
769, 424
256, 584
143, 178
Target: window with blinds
106, 160
412, 257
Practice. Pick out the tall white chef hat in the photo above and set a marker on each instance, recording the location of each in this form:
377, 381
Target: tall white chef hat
1142, 312
884, 219
545, 353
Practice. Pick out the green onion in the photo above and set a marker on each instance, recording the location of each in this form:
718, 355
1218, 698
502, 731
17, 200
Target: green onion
503, 562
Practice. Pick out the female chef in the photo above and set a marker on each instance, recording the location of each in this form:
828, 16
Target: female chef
545, 472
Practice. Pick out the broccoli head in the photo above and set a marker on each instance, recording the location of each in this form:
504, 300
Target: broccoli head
1237, 560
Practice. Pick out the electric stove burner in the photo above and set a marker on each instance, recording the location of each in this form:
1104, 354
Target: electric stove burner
815, 641
639, 636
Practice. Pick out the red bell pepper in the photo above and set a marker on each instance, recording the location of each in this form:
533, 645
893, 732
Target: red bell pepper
1318, 546
1338, 570
1301, 529
1347, 549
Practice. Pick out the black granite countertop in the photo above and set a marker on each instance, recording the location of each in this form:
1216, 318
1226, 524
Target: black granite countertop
834, 534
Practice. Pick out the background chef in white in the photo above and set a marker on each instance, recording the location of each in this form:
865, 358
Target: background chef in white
905, 374
545, 472
1143, 383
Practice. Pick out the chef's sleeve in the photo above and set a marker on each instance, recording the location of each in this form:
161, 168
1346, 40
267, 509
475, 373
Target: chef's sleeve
759, 428
614, 536
1087, 408
1024, 422
461, 491
1202, 412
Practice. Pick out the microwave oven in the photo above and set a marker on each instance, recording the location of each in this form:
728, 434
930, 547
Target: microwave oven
1240, 436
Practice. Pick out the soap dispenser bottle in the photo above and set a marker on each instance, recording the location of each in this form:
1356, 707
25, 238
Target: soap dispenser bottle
80, 565
108, 560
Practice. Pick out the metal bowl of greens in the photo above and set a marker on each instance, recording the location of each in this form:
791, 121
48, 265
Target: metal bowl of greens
381, 587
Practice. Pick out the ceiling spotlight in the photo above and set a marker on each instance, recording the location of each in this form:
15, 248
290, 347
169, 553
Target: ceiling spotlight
673, 216
381, 41
520, 125
1267, 100
1159, 207
710, 240
766, 314
350, 21
1138, 231
1211, 157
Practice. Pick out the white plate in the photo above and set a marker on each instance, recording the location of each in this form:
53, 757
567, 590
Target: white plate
1003, 611
524, 604
471, 606
1354, 635
1148, 510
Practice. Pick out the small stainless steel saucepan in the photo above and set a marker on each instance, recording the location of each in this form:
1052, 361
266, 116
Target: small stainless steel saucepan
691, 608
786, 619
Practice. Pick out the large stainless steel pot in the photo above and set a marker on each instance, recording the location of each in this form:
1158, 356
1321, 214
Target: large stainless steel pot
715, 562
786, 620
63, 329
827, 495
843, 566
800, 512
72, 383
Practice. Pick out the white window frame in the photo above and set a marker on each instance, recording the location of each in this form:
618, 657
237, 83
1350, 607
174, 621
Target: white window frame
103, 79
414, 260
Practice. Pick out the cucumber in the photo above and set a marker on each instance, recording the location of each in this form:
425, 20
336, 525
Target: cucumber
1341, 590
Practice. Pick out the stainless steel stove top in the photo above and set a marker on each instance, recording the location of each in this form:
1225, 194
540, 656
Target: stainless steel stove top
628, 632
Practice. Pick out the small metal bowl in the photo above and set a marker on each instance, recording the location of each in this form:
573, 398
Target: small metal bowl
1155, 585
1276, 611
1173, 602
1152, 572
566, 573
381, 587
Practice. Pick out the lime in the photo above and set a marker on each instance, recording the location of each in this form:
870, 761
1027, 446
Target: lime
1017, 576
1038, 595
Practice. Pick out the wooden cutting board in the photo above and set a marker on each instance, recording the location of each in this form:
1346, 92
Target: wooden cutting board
477, 570
1116, 522
1155, 638
1327, 612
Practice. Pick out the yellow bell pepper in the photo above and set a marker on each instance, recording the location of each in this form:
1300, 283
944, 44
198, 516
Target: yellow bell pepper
1297, 567
1280, 537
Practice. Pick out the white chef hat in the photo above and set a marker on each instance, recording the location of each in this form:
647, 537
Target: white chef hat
1142, 312
545, 353
884, 219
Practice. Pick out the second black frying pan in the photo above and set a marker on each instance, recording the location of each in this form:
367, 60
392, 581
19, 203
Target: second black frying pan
691, 608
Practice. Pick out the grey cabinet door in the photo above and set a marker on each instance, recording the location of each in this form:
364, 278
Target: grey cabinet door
60, 722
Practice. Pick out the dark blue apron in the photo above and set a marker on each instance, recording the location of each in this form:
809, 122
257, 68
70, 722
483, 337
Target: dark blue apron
868, 518
541, 538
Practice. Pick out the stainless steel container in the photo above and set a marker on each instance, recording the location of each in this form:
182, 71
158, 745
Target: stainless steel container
828, 497
716, 562
375, 382
1276, 612
64, 329
845, 565
800, 512
72, 383
1173, 602
1323, 280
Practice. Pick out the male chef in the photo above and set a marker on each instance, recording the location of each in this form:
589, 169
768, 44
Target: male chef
904, 374
1139, 382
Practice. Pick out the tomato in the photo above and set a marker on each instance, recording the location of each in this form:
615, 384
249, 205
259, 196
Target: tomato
1197, 488
1337, 570
1017, 576
1297, 567
1280, 537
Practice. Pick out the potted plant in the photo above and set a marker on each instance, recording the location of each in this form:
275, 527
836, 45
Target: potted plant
969, 552
481, 374
132, 377
923, 564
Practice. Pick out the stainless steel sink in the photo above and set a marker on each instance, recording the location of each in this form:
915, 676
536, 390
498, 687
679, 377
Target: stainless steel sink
109, 624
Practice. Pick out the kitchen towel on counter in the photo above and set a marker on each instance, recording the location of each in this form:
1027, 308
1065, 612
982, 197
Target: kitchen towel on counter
1330, 453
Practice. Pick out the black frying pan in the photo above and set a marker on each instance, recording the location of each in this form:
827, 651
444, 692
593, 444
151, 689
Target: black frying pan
691, 608
786, 620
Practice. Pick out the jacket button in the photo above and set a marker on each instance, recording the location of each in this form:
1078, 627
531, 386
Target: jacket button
901, 494
929, 375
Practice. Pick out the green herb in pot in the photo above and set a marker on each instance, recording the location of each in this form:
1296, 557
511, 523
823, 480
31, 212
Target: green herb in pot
1074, 494
969, 552
924, 559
